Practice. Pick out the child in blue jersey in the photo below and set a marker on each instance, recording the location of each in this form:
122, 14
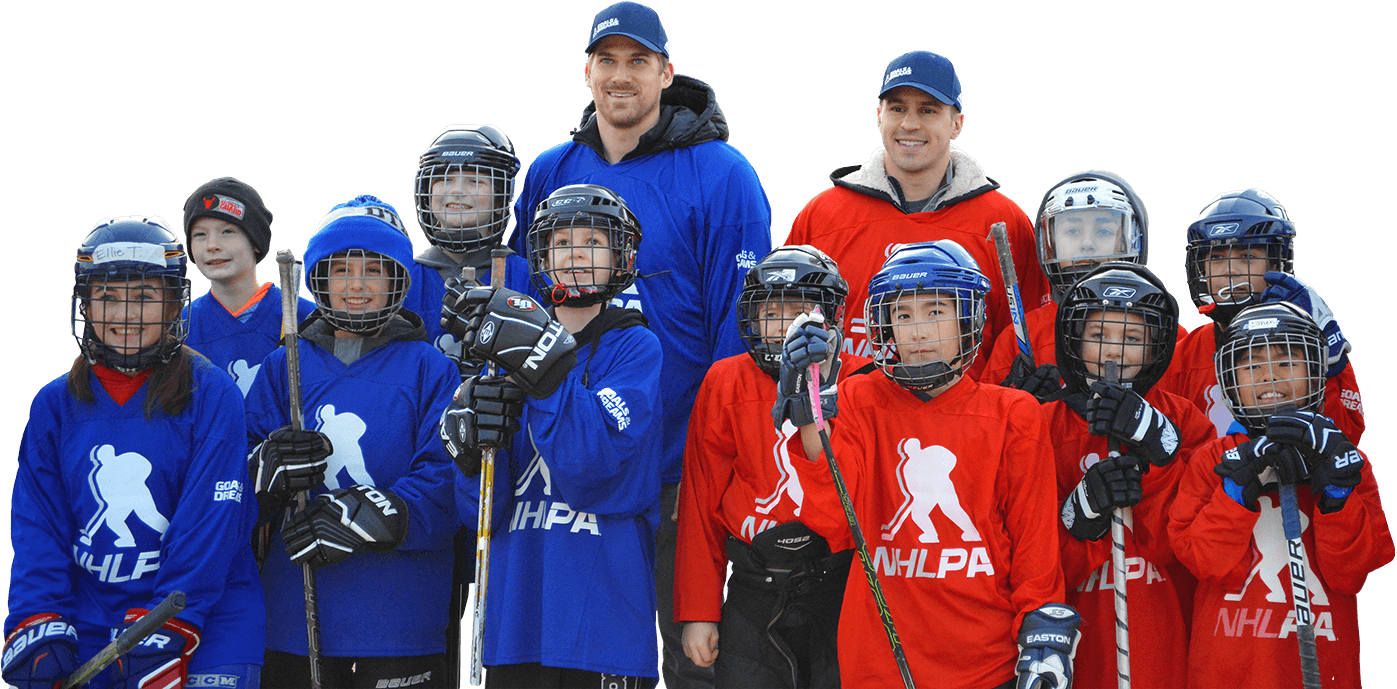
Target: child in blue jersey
379, 528
571, 593
131, 486
465, 185
238, 323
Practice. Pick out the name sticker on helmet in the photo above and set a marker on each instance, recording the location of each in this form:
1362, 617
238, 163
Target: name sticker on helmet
1120, 292
1223, 228
521, 303
780, 275
153, 254
1261, 324
224, 205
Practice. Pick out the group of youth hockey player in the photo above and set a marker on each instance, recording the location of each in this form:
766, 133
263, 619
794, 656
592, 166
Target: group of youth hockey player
936, 478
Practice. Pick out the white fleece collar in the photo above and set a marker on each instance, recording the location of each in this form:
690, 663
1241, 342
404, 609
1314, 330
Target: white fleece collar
968, 177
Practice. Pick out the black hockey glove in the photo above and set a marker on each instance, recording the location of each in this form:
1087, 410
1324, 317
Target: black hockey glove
162, 659
1044, 382
514, 331
1244, 471
1335, 463
289, 461
484, 413
807, 342
40, 652
1121, 413
1048, 640
342, 522
1110, 483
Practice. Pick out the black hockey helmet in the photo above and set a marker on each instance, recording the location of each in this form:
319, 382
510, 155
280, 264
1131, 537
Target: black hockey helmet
583, 206
461, 159
1071, 243
1097, 321
1248, 370
801, 274
1243, 220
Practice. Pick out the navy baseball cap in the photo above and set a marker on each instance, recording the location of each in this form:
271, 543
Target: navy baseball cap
632, 20
923, 71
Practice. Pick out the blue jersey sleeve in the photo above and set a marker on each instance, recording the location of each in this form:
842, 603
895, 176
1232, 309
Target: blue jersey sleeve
427, 487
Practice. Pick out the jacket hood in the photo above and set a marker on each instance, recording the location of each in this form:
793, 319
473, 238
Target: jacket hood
689, 115
871, 179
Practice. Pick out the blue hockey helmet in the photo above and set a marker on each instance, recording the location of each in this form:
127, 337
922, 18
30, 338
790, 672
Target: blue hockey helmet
370, 239
1237, 238
1118, 312
801, 274
448, 192
1257, 364
1087, 219
575, 284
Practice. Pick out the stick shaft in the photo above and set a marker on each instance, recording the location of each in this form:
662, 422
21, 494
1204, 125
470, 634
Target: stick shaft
1299, 588
483, 516
1011, 287
1119, 517
135, 634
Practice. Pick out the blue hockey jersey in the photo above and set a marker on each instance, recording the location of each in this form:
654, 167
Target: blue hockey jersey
572, 579
112, 510
238, 344
429, 286
381, 414
704, 222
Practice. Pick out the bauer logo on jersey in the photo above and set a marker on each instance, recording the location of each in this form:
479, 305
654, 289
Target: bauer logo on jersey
780, 275
524, 304
1223, 228
899, 72
225, 205
1120, 292
616, 407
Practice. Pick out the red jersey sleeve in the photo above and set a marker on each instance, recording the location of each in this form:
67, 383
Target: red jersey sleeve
700, 560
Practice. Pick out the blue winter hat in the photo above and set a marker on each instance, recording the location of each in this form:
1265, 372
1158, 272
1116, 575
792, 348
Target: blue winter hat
366, 223
923, 71
632, 20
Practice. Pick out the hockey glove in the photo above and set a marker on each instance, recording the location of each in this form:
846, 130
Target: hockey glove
1284, 287
289, 461
342, 522
161, 659
514, 331
1044, 382
40, 652
1335, 463
484, 413
1121, 413
807, 342
1047, 643
1244, 471
1110, 483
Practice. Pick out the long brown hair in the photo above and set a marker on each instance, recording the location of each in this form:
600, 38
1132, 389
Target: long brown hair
171, 384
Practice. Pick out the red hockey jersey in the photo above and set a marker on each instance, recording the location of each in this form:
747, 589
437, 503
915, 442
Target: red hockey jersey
1244, 619
955, 497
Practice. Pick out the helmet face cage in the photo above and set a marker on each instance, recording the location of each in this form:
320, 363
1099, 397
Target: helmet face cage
1120, 312
924, 338
1084, 221
359, 291
1237, 238
463, 208
789, 281
1271, 360
582, 246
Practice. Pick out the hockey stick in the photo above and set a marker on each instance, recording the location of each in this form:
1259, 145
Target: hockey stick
121, 645
1118, 519
289, 270
482, 522
860, 545
460, 589
1011, 288
1299, 590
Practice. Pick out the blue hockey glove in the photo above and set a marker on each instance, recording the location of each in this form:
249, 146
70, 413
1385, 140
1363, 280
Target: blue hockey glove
1044, 382
1334, 462
1047, 643
162, 659
807, 342
342, 522
1284, 287
484, 413
1119, 412
1110, 483
1244, 471
40, 652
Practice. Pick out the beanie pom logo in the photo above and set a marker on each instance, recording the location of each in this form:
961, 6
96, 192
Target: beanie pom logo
225, 205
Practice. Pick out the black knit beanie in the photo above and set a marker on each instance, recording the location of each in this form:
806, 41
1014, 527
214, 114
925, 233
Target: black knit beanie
229, 199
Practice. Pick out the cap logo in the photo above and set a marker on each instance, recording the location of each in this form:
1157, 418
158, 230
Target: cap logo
781, 275
225, 205
1120, 292
899, 72
139, 252
521, 303
1261, 324
1223, 228
605, 25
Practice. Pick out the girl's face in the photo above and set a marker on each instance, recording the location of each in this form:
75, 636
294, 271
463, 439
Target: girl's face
1271, 376
925, 327
579, 256
130, 315
359, 284
1117, 336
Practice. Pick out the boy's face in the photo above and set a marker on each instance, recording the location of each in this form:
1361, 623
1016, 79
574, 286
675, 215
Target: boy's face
1270, 376
579, 256
1088, 233
926, 328
1236, 272
1116, 336
220, 249
775, 316
129, 315
462, 199
359, 284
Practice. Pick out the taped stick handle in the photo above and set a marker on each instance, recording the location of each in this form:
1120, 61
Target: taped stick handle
135, 634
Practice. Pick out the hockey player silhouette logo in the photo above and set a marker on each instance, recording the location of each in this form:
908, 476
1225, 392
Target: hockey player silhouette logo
448, 345
1219, 414
537, 468
243, 374
344, 431
118, 482
924, 476
789, 483
1271, 555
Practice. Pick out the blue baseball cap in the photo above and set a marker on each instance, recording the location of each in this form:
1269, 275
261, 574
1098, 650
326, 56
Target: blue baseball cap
926, 72
632, 20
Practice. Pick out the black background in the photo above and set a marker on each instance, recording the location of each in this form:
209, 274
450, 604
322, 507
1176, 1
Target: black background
312, 116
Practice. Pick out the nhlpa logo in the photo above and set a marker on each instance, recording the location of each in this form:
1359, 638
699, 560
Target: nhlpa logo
891, 249
899, 72
243, 374
1271, 556
781, 275
1223, 228
924, 476
1120, 292
789, 482
344, 431
521, 304
118, 482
